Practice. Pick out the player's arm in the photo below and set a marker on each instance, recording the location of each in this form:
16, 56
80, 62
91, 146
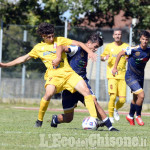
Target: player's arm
17, 61
114, 71
59, 51
91, 54
105, 55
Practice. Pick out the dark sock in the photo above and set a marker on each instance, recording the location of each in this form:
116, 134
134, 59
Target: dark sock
132, 110
107, 122
138, 110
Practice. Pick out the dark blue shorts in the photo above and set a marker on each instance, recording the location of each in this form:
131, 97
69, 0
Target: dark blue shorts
70, 100
135, 84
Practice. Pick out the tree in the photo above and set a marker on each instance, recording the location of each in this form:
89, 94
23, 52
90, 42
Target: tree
32, 12
105, 10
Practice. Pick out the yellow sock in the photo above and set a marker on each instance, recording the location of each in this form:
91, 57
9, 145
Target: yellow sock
120, 102
89, 103
43, 108
111, 105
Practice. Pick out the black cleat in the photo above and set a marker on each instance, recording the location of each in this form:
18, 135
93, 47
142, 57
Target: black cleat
100, 123
53, 124
38, 123
113, 129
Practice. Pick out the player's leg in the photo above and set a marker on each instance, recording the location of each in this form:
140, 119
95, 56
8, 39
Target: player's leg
122, 97
82, 88
102, 116
138, 98
69, 102
112, 90
50, 90
100, 112
139, 103
62, 118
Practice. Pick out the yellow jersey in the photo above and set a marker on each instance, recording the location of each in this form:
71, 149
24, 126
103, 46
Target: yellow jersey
112, 50
47, 53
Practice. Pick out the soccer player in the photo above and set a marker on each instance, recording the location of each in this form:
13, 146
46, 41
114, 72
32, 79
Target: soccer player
138, 57
116, 85
56, 79
78, 59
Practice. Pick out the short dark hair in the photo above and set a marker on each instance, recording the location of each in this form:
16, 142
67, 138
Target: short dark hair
96, 37
145, 34
45, 28
117, 29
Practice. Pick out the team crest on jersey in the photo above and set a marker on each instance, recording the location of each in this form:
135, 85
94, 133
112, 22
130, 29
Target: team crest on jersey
137, 53
55, 45
112, 49
111, 86
42, 48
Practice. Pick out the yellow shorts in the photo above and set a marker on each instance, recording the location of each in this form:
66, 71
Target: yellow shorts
117, 86
63, 80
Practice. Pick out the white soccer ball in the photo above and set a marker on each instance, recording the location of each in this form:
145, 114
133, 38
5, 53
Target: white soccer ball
89, 123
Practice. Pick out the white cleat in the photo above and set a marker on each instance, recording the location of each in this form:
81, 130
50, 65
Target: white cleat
116, 115
111, 119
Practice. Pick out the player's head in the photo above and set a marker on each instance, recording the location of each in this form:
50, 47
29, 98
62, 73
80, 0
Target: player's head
46, 31
94, 42
144, 38
117, 35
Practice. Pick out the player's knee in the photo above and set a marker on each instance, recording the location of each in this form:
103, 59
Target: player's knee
87, 91
141, 96
68, 118
48, 95
122, 100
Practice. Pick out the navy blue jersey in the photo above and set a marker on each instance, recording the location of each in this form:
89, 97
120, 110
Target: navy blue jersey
78, 59
137, 61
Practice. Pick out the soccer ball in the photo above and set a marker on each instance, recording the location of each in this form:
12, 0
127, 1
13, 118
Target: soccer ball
89, 123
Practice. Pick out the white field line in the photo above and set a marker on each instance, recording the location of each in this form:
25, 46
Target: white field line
28, 146
15, 145
76, 110
18, 132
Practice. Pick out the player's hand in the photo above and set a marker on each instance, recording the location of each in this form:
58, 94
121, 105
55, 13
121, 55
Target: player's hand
92, 56
107, 56
56, 62
114, 71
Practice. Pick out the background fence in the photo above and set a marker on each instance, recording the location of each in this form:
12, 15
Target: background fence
26, 80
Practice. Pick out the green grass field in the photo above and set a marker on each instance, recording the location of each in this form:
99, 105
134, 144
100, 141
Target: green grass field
17, 132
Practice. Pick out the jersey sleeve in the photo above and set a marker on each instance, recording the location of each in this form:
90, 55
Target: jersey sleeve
130, 50
64, 41
106, 51
33, 53
72, 50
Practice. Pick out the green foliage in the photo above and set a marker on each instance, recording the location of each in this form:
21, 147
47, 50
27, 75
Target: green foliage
30, 12
107, 9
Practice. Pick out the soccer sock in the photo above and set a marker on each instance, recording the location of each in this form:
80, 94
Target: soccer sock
132, 110
120, 103
89, 103
111, 105
107, 122
138, 110
43, 108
